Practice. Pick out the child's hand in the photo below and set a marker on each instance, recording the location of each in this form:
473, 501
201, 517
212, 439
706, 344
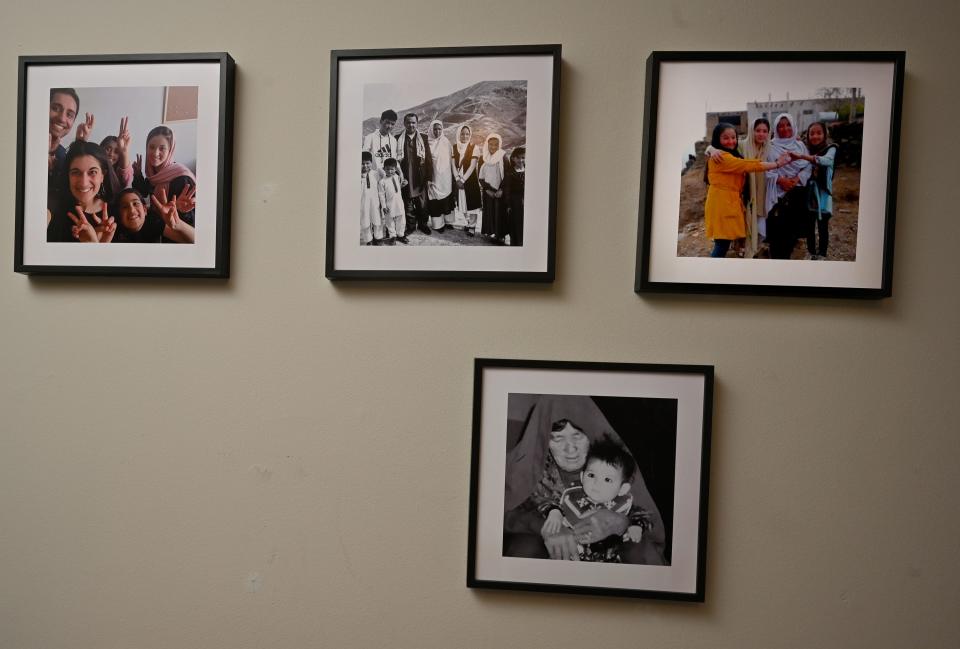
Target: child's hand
138, 167
187, 200
715, 154
499, 193
404, 183
553, 523
123, 137
786, 158
634, 533
168, 209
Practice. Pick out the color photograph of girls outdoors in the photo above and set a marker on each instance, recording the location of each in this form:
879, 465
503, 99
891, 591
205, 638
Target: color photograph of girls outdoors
777, 178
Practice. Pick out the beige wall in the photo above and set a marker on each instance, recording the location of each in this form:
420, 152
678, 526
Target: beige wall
281, 462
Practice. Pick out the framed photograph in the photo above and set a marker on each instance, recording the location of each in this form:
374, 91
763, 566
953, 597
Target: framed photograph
430, 154
770, 173
590, 478
138, 156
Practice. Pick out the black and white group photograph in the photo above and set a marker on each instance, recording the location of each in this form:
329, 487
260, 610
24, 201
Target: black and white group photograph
452, 172
131, 155
770, 172
590, 477
456, 152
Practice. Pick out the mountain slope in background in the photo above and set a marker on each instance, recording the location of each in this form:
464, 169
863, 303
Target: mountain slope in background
486, 107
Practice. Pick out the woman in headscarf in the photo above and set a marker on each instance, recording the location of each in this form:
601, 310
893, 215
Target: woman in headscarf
820, 195
723, 209
160, 172
491, 177
440, 189
786, 194
465, 161
548, 458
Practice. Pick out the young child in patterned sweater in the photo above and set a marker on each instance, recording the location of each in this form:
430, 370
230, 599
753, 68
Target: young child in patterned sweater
604, 483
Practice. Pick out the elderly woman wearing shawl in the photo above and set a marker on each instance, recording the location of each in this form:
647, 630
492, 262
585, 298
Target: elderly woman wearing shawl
786, 194
548, 458
494, 222
440, 197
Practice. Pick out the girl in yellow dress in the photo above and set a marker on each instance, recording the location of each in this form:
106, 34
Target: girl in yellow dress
723, 210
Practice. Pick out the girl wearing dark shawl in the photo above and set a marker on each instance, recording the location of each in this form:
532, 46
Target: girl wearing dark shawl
535, 476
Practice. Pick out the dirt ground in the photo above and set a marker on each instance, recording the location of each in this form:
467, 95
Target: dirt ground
692, 240
449, 237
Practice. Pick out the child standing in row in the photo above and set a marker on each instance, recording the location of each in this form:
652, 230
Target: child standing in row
371, 213
723, 210
391, 203
820, 205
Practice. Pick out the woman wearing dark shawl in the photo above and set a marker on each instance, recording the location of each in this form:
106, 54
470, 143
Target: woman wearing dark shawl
786, 194
537, 471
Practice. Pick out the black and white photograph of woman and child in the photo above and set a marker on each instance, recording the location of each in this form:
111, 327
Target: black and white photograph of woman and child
121, 165
590, 478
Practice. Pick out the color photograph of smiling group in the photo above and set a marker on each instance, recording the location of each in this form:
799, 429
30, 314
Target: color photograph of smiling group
121, 164
774, 178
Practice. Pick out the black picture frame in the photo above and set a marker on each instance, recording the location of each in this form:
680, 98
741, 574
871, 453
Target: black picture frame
871, 280
672, 450
542, 269
215, 245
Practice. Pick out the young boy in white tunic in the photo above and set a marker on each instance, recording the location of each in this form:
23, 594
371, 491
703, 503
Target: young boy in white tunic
391, 202
371, 211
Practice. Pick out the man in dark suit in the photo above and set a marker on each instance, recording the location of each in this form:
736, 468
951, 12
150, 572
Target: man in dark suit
417, 167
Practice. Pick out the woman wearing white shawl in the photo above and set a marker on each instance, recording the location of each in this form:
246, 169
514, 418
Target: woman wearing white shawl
786, 195
491, 177
465, 163
440, 189
756, 145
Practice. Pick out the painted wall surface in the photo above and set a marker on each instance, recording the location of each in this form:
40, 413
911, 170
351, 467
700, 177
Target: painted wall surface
280, 462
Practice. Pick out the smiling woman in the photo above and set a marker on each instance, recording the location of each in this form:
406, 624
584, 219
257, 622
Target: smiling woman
88, 185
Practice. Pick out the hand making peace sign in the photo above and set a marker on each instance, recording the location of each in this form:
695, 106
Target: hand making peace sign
123, 143
83, 231
86, 127
168, 209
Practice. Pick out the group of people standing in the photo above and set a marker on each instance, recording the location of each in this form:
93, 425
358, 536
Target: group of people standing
768, 192
416, 181
98, 194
